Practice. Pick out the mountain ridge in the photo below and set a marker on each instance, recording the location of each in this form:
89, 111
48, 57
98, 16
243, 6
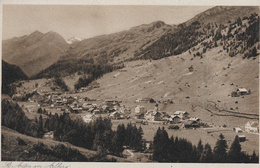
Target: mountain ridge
34, 52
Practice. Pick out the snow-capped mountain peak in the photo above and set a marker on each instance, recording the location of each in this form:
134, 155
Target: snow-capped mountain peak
73, 40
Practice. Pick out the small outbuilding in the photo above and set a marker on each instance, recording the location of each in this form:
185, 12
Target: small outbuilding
242, 138
242, 91
237, 130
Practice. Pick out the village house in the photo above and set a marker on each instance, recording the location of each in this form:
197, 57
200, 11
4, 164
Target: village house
190, 124
138, 100
48, 135
91, 109
242, 91
153, 116
195, 119
174, 119
252, 126
165, 114
139, 115
84, 89
139, 109
182, 114
237, 130
145, 100
96, 111
76, 110
157, 116
59, 102
86, 106
116, 115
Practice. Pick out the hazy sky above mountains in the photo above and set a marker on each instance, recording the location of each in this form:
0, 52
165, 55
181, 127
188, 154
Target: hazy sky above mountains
88, 21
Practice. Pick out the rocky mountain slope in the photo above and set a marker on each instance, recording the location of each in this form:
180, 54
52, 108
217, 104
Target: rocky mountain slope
34, 52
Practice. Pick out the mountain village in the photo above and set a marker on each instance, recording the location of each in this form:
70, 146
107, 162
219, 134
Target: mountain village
154, 93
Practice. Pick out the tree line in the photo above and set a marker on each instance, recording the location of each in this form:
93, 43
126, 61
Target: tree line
176, 149
96, 135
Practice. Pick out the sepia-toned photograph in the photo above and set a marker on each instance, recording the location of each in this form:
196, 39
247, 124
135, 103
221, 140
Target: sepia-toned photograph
129, 84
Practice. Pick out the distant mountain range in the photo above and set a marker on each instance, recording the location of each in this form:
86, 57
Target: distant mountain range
34, 52
46, 55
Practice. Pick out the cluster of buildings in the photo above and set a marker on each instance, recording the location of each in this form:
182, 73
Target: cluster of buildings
111, 107
177, 118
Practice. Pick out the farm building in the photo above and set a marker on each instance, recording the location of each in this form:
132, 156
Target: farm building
242, 91
116, 115
76, 110
252, 126
174, 119
157, 116
190, 124
182, 114
139, 115
91, 109
237, 130
86, 106
48, 135
153, 116
145, 100
195, 119
96, 112
242, 138
165, 115
139, 109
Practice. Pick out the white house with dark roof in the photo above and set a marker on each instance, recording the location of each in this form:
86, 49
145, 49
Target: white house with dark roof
242, 91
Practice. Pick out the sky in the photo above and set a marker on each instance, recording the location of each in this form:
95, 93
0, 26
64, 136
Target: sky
86, 21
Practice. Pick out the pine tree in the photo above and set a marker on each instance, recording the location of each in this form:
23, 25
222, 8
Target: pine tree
36, 120
200, 148
254, 52
107, 140
254, 158
128, 134
161, 144
119, 139
220, 150
207, 155
39, 110
234, 154
98, 141
40, 128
